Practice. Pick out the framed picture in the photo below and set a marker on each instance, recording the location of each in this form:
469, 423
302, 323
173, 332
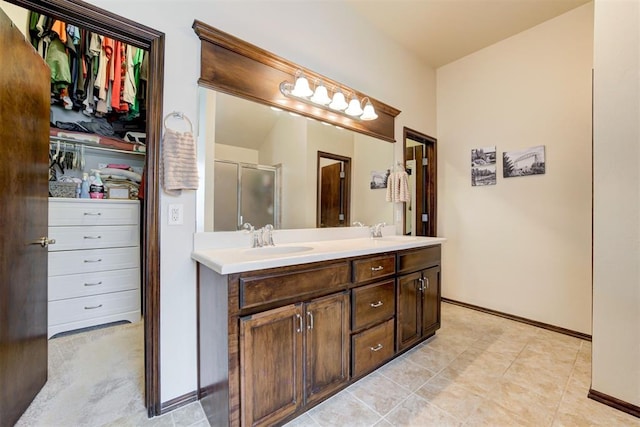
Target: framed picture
483, 166
524, 162
379, 179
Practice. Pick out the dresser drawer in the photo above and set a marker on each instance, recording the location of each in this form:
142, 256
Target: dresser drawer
93, 212
97, 306
92, 260
93, 237
373, 268
371, 304
414, 260
371, 348
79, 285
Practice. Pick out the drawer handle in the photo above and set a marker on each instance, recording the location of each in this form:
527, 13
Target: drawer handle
93, 260
93, 213
378, 268
93, 237
93, 284
376, 304
92, 308
377, 348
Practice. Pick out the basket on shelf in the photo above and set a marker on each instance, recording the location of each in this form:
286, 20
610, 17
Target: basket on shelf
62, 189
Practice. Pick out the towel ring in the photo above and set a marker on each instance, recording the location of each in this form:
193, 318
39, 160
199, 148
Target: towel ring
179, 115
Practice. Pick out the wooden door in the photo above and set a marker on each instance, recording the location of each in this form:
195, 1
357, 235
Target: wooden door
271, 357
409, 300
24, 136
431, 300
327, 345
331, 197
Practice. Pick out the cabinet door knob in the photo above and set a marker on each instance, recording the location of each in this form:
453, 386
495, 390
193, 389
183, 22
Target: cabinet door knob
44, 242
376, 304
378, 268
377, 348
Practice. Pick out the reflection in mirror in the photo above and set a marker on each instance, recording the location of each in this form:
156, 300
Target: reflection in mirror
334, 181
248, 134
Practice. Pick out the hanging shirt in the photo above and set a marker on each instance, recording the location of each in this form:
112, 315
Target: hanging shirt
58, 62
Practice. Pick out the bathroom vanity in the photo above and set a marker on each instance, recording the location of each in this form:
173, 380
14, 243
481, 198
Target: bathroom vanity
282, 328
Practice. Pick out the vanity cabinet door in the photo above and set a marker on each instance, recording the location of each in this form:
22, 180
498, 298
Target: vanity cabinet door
431, 300
327, 345
272, 361
408, 316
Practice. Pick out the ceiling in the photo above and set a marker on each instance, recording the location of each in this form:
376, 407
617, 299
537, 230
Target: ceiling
442, 31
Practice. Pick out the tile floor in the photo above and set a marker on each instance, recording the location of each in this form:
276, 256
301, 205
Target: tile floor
479, 370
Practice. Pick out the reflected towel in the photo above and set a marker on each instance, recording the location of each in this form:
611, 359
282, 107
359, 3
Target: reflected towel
179, 165
398, 187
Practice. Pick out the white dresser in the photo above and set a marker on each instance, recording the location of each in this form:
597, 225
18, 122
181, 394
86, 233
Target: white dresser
94, 266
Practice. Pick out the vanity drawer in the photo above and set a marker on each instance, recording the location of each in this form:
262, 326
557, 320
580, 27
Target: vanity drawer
414, 260
93, 237
92, 260
371, 348
373, 268
93, 212
371, 304
78, 285
268, 288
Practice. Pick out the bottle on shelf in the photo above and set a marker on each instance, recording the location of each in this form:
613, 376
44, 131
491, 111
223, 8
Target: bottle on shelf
96, 189
84, 187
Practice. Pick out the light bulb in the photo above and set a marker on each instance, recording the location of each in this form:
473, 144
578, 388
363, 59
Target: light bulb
301, 88
320, 96
338, 102
354, 108
369, 113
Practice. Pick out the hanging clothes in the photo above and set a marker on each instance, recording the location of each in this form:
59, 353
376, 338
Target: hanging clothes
398, 187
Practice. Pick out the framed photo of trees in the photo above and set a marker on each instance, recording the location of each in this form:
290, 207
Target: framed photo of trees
525, 162
483, 166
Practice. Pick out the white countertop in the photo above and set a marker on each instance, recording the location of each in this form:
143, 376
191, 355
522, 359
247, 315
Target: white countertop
241, 259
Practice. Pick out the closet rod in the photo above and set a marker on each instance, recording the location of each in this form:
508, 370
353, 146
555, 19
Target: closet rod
93, 146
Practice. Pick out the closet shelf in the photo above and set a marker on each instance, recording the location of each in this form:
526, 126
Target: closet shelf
92, 145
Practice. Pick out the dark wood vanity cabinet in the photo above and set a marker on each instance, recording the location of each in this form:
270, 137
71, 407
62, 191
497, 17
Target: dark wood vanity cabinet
275, 342
292, 356
418, 296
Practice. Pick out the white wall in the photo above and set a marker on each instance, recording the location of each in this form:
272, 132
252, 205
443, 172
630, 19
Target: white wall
522, 246
369, 63
616, 271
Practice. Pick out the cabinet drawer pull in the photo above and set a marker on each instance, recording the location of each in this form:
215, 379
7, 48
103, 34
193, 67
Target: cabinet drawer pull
421, 288
93, 237
93, 260
376, 304
299, 323
378, 268
93, 284
377, 348
92, 308
310, 316
93, 213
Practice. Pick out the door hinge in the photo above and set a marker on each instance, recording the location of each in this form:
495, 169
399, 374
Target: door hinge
341, 217
342, 175
425, 217
425, 161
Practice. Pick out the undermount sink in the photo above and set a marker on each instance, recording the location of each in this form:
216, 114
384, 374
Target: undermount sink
277, 250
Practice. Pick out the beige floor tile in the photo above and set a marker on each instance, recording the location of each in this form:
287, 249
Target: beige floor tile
582, 411
490, 414
407, 374
450, 396
415, 411
303, 420
344, 409
430, 358
379, 393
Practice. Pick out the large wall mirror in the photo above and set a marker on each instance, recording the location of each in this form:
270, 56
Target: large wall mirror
263, 166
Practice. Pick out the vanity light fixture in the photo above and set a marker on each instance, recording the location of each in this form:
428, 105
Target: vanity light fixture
319, 97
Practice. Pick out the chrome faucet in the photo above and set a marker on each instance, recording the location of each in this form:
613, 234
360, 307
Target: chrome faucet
256, 235
376, 230
267, 235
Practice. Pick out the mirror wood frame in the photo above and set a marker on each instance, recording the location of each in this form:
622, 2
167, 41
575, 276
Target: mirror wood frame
98, 20
233, 66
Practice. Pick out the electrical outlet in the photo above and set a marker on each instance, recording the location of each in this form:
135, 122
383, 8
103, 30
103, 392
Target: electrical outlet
175, 214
